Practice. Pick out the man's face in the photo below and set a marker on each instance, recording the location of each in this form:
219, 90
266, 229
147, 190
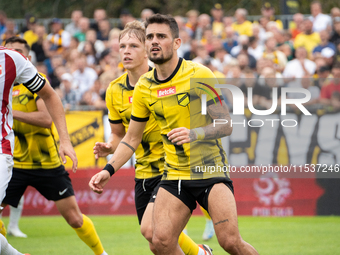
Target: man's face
308, 25
19, 47
132, 51
159, 43
315, 9
336, 73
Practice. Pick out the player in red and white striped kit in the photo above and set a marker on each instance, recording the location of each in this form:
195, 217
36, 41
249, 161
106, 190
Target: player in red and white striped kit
15, 68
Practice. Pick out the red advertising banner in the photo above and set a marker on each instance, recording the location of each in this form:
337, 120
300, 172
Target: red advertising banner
254, 196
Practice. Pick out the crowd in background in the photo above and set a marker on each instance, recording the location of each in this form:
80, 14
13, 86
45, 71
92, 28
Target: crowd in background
81, 58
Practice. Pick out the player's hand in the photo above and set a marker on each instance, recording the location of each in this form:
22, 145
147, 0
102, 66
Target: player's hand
66, 149
102, 149
99, 180
180, 136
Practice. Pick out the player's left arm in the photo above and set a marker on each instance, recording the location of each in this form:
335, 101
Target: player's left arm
40, 118
220, 127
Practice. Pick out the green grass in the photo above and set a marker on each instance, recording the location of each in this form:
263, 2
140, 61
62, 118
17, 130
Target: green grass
120, 235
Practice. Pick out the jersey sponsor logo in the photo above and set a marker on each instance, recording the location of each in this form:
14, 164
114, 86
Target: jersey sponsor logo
15, 92
166, 91
183, 99
130, 100
0, 69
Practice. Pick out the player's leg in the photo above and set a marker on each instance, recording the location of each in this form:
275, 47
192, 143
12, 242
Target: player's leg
222, 209
14, 217
170, 216
83, 225
209, 226
6, 248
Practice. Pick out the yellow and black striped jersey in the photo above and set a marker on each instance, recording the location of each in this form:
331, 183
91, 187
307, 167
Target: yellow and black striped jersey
34, 147
176, 102
150, 153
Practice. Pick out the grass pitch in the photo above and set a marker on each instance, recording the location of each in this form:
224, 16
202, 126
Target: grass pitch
120, 235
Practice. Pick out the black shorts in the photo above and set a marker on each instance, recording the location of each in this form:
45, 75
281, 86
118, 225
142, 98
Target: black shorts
190, 191
145, 193
53, 184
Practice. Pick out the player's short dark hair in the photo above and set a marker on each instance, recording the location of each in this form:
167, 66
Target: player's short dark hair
16, 39
164, 19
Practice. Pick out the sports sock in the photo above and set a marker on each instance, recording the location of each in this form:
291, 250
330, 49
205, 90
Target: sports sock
2, 229
188, 246
15, 214
205, 213
6, 248
87, 233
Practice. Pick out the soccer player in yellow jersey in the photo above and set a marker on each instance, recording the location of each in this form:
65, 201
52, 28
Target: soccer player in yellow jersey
150, 152
190, 139
37, 162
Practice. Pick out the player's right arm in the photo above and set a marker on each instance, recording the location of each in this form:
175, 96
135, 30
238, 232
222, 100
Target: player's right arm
104, 149
123, 153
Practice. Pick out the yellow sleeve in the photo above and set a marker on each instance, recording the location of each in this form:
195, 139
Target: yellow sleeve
249, 31
298, 41
140, 112
114, 117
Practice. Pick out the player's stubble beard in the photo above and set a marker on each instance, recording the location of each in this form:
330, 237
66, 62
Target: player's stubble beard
161, 59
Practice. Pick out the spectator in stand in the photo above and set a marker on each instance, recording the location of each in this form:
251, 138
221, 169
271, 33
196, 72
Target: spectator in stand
56, 61
190, 55
71, 60
217, 20
104, 30
185, 45
98, 15
91, 36
267, 92
242, 41
243, 61
207, 40
203, 55
259, 33
84, 26
229, 41
308, 39
335, 38
222, 59
297, 25
287, 50
73, 26
125, 17
192, 23
328, 90
298, 68
279, 59
3, 18
11, 31
263, 21
320, 21
255, 49
335, 12
213, 68
29, 35
68, 94
203, 24
91, 55
325, 43
242, 26
323, 76
146, 13
268, 11
249, 80
307, 83
40, 45
59, 39
328, 55
84, 77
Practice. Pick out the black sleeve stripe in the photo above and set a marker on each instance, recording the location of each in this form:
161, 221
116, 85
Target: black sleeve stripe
211, 101
36, 83
139, 119
116, 121
37, 98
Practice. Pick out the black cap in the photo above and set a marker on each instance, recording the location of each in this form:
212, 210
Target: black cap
125, 11
324, 69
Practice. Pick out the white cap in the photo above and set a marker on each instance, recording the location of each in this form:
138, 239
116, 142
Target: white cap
327, 52
67, 77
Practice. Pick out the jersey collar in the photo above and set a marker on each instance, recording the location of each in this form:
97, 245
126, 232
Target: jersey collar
128, 85
172, 75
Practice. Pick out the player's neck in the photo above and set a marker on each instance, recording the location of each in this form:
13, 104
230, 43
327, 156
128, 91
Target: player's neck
135, 73
166, 69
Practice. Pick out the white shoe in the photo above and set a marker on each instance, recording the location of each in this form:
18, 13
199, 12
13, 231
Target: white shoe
16, 232
209, 230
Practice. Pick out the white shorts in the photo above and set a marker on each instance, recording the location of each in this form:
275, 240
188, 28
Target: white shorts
6, 167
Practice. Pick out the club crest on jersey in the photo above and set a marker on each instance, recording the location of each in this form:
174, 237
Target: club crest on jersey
183, 99
166, 91
130, 100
